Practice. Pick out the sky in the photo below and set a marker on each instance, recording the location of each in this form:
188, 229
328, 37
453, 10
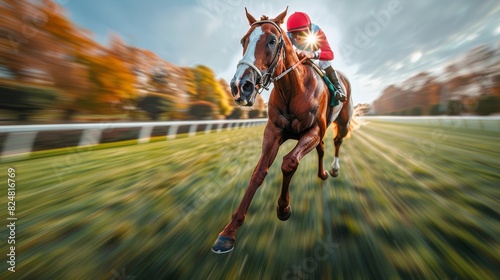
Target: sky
376, 43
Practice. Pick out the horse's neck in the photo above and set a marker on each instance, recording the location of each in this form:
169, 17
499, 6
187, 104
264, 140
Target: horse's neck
293, 82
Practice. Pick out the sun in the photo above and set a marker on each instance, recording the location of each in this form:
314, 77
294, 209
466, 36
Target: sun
311, 41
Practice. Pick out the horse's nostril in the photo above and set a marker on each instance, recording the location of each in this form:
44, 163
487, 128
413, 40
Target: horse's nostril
234, 91
247, 87
233, 87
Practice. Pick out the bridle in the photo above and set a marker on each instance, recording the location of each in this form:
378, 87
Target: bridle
265, 79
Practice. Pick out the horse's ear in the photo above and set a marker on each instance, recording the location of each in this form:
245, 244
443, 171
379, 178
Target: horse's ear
281, 17
250, 18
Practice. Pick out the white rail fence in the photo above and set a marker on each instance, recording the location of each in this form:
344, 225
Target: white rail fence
464, 122
20, 140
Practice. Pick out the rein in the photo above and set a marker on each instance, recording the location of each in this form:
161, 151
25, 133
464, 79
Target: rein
265, 79
289, 69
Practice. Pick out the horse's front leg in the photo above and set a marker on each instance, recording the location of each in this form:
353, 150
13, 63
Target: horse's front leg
272, 140
306, 143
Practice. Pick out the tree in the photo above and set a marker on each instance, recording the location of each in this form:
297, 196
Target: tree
221, 99
236, 114
67, 69
435, 110
416, 111
25, 100
189, 76
154, 105
38, 43
110, 81
455, 107
488, 104
229, 100
41, 46
29, 50
202, 110
208, 88
23, 43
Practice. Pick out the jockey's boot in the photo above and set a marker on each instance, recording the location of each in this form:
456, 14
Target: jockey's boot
332, 75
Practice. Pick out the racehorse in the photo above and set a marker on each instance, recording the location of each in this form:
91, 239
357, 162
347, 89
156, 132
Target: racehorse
298, 108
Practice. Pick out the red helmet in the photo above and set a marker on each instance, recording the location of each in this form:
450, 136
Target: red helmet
298, 21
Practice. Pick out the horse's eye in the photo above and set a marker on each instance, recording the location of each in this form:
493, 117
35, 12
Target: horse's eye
272, 42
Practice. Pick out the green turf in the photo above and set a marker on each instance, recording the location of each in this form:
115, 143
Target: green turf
410, 203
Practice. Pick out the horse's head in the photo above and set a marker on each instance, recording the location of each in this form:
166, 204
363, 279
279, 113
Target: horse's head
262, 48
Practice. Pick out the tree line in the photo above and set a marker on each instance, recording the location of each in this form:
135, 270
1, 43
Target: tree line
49, 65
470, 85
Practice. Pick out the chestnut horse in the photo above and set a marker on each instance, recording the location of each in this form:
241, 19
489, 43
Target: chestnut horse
298, 109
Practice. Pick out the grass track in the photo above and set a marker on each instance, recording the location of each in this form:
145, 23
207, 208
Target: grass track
411, 202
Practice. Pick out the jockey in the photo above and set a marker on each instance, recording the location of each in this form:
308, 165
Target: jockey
310, 41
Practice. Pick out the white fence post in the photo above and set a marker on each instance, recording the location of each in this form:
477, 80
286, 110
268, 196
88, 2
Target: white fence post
192, 130
172, 132
90, 137
208, 128
20, 143
145, 134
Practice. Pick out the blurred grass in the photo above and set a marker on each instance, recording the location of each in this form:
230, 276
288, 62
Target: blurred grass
411, 202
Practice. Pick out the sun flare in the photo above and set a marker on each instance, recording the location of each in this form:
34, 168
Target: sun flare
311, 41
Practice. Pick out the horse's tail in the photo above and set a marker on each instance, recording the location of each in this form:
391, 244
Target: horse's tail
354, 123
356, 120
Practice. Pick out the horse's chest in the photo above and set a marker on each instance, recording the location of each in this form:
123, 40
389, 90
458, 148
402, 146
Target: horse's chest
298, 118
300, 125
297, 124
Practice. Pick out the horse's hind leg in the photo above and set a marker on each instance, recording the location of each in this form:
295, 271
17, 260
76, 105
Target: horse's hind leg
342, 130
321, 152
306, 143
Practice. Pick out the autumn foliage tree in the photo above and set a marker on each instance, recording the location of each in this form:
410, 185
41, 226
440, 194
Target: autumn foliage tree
109, 78
41, 47
209, 89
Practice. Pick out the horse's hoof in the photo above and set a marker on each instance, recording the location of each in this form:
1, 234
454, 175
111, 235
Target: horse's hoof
334, 173
286, 215
223, 245
323, 176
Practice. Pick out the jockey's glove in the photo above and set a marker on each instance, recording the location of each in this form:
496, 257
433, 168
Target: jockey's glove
301, 54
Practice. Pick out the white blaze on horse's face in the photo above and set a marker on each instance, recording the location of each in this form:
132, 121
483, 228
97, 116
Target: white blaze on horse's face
249, 55
242, 85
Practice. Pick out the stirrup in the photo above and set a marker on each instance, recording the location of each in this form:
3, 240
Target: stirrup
340, 96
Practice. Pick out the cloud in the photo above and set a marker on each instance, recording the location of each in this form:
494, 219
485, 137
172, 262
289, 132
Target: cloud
375, 42
416, 56
434, 32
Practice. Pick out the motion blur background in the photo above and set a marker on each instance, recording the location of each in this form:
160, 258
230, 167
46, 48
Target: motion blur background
416, 198
128, 60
